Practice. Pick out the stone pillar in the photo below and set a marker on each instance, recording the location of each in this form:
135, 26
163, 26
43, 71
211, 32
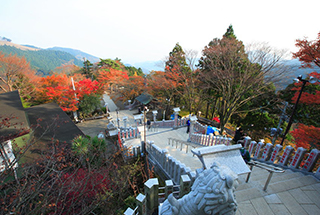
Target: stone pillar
297, 158
129, 211
185, 184
275, 153
154, 113
142, 204
286, 154
311, 160
125, 118
164, 158
258, 148
251, 147
151, 189
176, 113
247, 141
168, 188
266, 152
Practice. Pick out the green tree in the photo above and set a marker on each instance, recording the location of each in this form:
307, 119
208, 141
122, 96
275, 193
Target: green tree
232, 78
89, 104
87, 69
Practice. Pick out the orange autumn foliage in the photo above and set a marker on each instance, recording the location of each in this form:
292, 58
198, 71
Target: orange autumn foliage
110, 76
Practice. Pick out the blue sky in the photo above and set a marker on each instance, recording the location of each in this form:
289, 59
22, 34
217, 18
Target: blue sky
146, 30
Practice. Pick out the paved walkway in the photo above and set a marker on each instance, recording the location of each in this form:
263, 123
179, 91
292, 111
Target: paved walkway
288, 193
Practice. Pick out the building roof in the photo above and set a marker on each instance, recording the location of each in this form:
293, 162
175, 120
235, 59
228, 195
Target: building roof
11, 107
144, 98
50, 121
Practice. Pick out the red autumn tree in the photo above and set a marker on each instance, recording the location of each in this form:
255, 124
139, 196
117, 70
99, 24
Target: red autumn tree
310, 96
59, 89
132, 87
306, 136
309, 52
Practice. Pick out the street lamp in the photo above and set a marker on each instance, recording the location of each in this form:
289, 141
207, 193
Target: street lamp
312, 80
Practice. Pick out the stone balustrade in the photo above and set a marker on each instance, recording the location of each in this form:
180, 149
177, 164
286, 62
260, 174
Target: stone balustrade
129, 133
148, 202
285, 157
182, 144
170, 166
199, 128
209, 140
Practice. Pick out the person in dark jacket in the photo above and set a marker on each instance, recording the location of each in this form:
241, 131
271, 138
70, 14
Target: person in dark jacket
239, 135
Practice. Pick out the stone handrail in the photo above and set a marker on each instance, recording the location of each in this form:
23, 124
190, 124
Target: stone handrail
170, 166
148, 202
290, 158
129, 133
170, 123
172, 141
209, 140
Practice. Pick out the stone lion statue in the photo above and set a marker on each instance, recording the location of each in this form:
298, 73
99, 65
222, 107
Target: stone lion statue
211, 193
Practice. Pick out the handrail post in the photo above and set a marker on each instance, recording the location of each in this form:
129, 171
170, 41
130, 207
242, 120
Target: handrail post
141, 203
168, 188
151, 190
185, 184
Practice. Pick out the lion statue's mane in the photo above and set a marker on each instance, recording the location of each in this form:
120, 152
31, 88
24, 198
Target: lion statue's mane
211, 193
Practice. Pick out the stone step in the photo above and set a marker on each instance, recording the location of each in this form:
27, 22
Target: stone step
292, 183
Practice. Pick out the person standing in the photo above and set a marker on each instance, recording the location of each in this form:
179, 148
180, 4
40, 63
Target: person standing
188, 126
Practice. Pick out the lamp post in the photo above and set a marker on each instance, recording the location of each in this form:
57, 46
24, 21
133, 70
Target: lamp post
312, 80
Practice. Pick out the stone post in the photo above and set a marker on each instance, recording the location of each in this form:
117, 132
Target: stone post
247, 141
296, 160
168, 188
176, 113
285, 156
311, 160
125, 118
275, 153
129, 211
154, 113
185, 184
266, 152
151, 189
142, 204
258, 148
251, 147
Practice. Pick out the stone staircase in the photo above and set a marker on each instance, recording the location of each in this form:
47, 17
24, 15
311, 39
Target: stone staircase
288, 193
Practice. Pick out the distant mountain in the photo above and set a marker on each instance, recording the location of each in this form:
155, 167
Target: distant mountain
148, 66
42, 60
294, 71
77, 53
